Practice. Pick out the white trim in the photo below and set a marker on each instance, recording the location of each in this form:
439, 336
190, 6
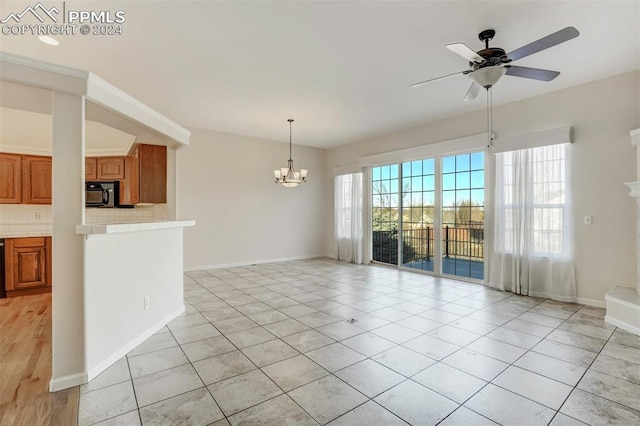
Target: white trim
31, 72
68, 381
251, 262
618, 295
95, 371
592, 302
533, 140
635, 136
346, 170
42, 66
105, 94
621, 324
106, 152
21, 149
367, 222
26, 150
452, 146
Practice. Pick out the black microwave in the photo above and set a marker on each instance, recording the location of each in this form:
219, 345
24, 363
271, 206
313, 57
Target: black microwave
102, 194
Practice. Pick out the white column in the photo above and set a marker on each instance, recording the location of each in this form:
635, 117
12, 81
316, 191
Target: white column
623, 303
635, 192
68, 247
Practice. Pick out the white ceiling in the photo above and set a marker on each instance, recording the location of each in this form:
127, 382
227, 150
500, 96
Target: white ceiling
341, 69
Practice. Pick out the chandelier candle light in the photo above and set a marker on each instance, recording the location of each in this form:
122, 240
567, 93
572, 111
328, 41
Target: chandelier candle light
288, 176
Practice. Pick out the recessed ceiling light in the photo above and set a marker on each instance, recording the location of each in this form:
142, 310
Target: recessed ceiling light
49, 40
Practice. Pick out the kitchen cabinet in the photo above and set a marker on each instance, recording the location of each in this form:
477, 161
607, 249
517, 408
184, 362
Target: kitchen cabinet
146, 176
110, 168
25, 179
36, 179
152, 173
27, 265
129, 186
10, 178
90, 169
104, 168
142, 175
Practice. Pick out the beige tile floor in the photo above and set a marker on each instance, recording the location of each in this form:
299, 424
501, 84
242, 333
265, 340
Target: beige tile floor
277, 344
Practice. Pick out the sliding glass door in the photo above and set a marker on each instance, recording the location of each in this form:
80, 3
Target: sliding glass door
441, 226
463, 215
385, 205
418, 214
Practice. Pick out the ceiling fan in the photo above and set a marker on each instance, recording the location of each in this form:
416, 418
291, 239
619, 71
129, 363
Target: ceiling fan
488, 65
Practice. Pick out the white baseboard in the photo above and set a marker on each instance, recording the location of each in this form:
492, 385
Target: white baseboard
95, 371
251, 262
65, 382
592, 302
623, 325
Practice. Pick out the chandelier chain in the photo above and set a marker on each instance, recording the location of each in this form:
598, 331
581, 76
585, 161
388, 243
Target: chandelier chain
290, 143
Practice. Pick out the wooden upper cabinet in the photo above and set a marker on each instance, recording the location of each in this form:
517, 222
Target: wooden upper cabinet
142, 175
110, 168
130, 186
152, 173
90, 169
10, 178
36, 179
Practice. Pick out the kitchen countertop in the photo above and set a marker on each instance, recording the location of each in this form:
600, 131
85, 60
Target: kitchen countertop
26, 230
114, 228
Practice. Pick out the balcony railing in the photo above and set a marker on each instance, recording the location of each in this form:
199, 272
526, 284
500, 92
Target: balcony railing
459, 242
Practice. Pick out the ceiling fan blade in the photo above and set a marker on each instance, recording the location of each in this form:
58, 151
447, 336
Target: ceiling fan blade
420, 83
551, 40
466, 52
472, 93
534, 73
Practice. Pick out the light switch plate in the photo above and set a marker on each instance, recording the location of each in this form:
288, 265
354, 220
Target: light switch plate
588, 220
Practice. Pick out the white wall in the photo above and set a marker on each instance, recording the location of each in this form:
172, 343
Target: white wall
602, 114
120, 271
226, 183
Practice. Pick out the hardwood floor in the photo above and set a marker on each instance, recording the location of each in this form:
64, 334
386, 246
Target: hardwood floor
25, 366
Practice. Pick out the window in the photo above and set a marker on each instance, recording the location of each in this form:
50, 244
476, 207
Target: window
532, 201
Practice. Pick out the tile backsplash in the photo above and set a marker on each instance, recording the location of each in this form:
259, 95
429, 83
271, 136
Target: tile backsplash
22, 214
32, 214
150, 213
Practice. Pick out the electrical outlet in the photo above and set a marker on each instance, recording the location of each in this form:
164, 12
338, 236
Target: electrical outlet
36, 216
146, 303
587, 220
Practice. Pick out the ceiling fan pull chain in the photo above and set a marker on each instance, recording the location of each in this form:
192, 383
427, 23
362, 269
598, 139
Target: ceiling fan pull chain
491, 116
488, 121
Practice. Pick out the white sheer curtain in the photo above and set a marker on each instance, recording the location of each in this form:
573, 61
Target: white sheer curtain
348, 217
532, 250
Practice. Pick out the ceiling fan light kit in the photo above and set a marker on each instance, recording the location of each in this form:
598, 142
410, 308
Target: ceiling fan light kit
488, 76
487, 66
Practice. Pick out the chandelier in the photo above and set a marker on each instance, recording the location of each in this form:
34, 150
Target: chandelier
288, 176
